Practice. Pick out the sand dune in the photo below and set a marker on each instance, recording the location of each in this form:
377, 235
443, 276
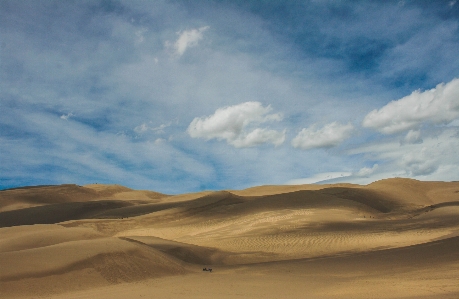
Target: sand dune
128, 261
25, 197
325, 241
36, 236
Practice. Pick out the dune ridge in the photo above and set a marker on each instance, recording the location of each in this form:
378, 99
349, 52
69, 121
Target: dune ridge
61, 240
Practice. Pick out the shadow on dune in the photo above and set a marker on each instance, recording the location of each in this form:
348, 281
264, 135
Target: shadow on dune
375, 200
307, 233
225, 203
60, 203
114, 261
55, 213
216, 204
189, 253
97, 209
439, 205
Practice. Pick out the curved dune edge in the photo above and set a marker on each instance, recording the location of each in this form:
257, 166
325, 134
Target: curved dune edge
69, 239
127, 261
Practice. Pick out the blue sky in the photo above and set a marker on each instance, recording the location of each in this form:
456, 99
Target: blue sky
182, 96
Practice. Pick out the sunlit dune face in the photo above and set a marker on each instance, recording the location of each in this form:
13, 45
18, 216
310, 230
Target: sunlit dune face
397, 232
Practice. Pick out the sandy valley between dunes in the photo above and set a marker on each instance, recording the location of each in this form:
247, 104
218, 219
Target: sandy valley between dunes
395, 238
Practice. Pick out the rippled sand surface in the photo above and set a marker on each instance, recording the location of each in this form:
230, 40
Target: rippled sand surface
395, 238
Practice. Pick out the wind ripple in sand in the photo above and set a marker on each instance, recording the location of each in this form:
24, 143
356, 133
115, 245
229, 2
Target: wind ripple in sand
288, 234
328, 236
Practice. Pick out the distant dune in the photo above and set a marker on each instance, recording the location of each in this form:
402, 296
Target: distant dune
394, 238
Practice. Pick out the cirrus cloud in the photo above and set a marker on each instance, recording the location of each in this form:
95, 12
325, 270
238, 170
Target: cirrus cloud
187, 39
439, 105
319, 178
329, 136
230, 123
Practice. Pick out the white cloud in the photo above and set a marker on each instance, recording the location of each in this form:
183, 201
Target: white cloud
230, 123
439, 105
422, 161
328, 136
259, 136
141, 128
188, 39
67, 116
119, 76
160, 129
159, 141
413, 136
320, 177
366, 171
454, 123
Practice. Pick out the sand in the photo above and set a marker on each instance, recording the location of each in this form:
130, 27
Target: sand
395, 238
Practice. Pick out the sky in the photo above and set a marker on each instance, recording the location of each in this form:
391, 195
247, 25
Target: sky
183, 96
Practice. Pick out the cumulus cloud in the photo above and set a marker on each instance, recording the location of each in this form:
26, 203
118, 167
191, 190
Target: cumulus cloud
188, 39
230, 124
329, 136
439, 105
119, 75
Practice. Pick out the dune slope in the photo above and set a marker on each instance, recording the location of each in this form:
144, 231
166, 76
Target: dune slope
80, 241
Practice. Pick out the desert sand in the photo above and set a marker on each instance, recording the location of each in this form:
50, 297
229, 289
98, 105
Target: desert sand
394, 238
